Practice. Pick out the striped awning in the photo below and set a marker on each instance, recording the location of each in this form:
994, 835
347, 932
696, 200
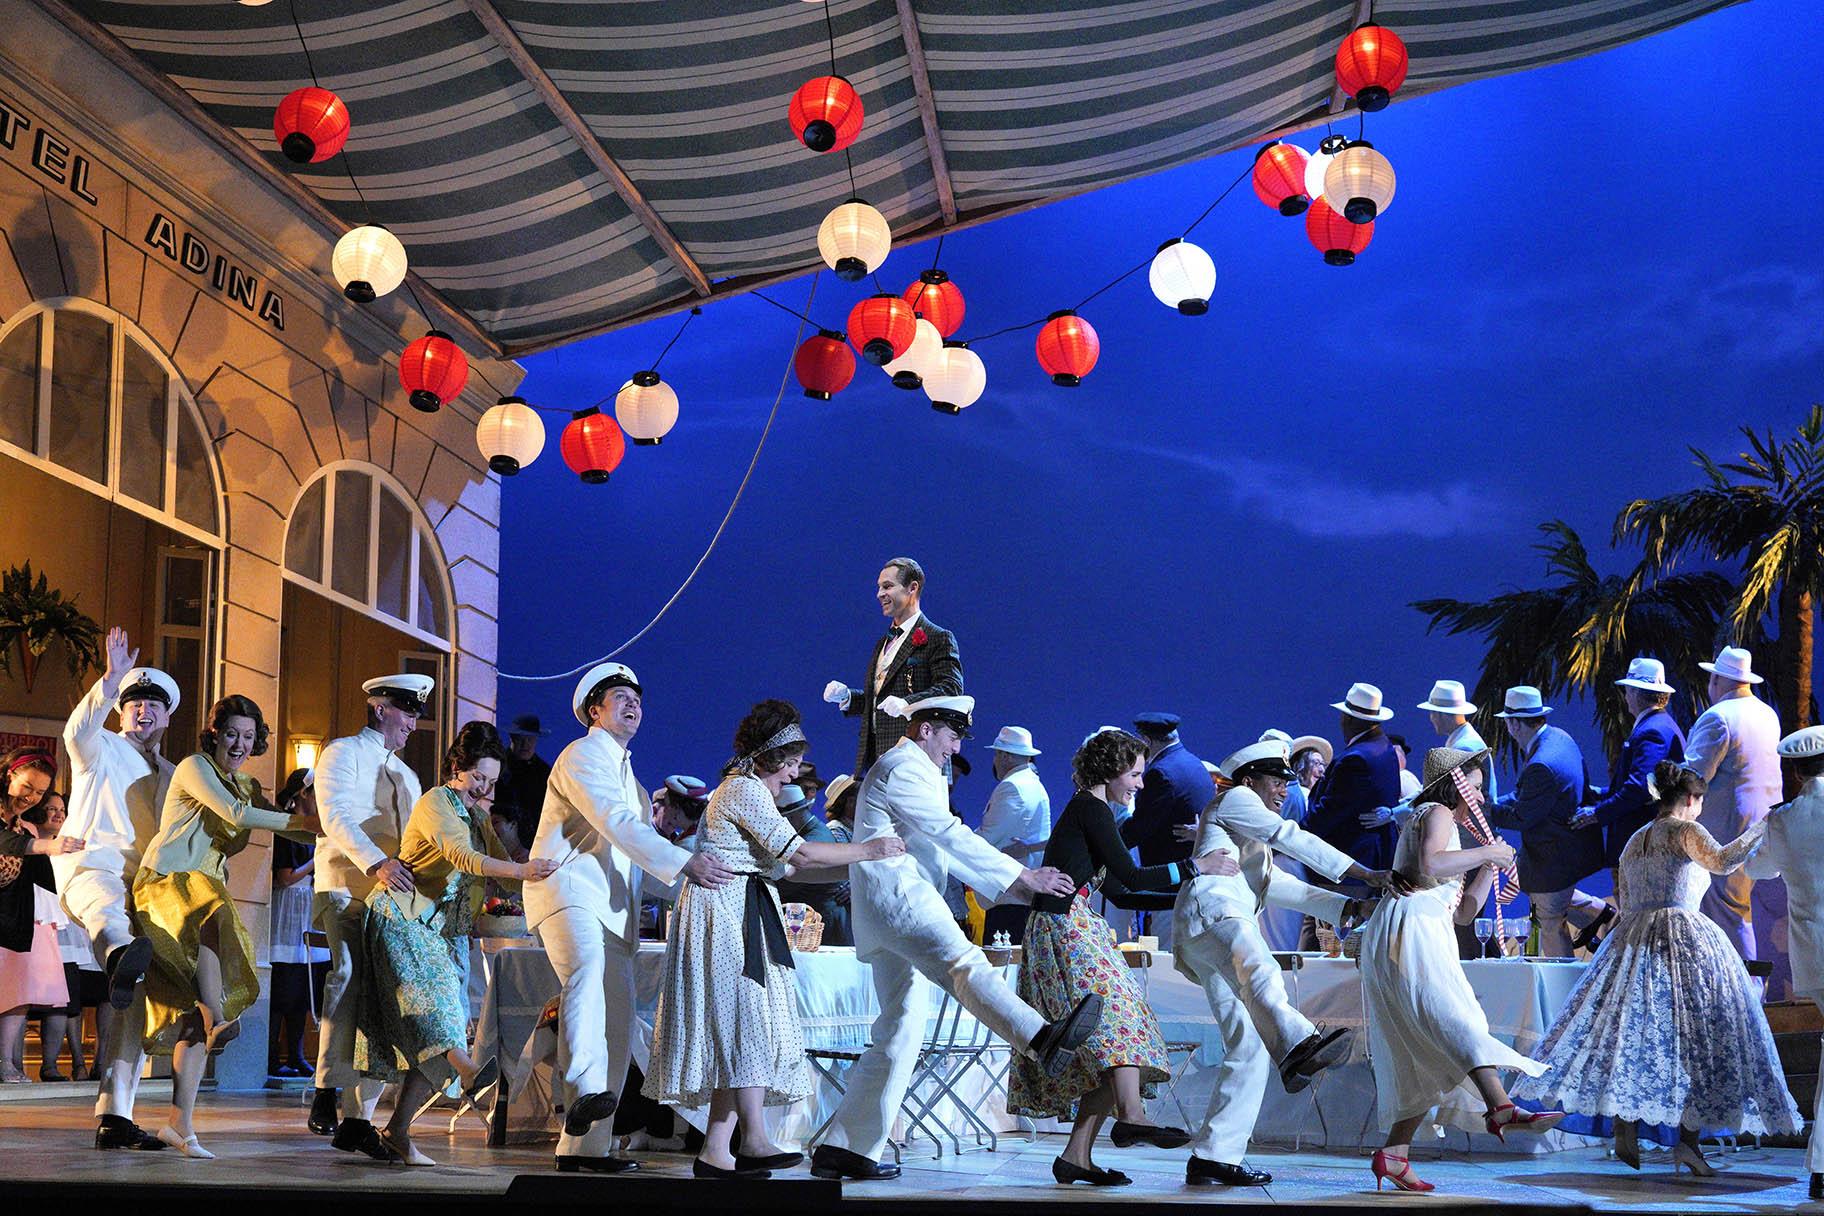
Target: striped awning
558, 168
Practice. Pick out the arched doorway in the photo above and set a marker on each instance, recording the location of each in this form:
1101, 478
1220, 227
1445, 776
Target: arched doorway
367, 593
110, 487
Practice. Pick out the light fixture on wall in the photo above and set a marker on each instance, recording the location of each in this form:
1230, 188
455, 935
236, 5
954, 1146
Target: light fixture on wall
304, 751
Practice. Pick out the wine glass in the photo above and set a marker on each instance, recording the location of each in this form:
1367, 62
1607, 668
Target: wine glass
1485, 929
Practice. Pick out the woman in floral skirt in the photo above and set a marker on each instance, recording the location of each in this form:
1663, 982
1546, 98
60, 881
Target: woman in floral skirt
1070, 952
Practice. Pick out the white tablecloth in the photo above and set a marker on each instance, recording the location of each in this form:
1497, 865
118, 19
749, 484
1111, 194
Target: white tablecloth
836, 1001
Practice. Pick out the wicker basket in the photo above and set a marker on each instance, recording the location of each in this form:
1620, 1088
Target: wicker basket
803, 927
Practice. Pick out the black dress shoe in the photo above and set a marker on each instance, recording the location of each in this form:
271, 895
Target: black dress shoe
1067, 1173
1587, 938
126, 966
1311, 1057
325, 1112
359, 1136
700, 1168
773, 1161
587, 1111
1817, 1186
1056, 1044
1125, 1134
596, 1165
1198, 1172
116, 1132
832, 1162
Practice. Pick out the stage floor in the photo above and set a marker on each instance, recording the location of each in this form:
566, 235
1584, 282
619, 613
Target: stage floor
262, 1148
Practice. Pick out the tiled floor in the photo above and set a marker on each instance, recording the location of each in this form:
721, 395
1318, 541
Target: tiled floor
261, 1143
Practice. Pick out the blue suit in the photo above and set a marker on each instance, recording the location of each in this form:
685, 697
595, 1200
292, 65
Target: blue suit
1365, 777
1623, 809
1176, 791
1553, 854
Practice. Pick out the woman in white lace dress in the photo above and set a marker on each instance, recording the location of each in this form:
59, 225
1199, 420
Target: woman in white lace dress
726, 1030
1427, 1034
1665, 1027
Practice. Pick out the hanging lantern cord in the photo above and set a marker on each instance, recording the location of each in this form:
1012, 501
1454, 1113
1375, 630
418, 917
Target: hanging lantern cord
786, 308
778, 397
1206, 211
367, 212
695, 312
296, 25
829, 27
938, 257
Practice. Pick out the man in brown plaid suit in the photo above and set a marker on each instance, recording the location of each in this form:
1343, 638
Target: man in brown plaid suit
916, 658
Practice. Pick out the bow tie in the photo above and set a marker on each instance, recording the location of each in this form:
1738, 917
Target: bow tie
895, 631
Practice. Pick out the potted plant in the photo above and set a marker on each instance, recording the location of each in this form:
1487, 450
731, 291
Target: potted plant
33, 617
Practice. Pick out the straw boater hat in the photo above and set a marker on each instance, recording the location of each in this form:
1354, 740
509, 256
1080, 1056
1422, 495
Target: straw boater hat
1364, 702
1312, 743
1648, 675
838, 786
1440, 763
1447, 697
1733, 664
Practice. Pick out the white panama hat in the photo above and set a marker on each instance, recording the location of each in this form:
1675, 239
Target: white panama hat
1364, 702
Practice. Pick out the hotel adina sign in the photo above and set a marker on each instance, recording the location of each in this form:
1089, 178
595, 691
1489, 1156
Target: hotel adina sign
54, 158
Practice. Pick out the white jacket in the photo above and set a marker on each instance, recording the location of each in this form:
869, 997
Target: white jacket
115, 796
1734, 745
365, 795
1241, 823
1794, 847
1018, 809
904, 795
597, 824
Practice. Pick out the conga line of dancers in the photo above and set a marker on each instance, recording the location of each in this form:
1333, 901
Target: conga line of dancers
1663, 1030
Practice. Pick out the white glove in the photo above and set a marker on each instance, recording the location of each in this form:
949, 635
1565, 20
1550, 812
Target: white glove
894, 707
836, 693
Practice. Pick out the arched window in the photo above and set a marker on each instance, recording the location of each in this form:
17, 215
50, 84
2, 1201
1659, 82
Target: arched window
86, 396
356, 536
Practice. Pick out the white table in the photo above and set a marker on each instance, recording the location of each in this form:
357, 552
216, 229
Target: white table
836, 1001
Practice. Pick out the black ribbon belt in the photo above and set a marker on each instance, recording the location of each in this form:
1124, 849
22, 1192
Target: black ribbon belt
763, 930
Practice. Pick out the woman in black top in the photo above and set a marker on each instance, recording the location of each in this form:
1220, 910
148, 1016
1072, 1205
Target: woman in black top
1070, 952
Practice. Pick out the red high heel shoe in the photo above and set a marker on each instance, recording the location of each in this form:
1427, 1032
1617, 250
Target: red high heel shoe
1538, 1122
1403, 1178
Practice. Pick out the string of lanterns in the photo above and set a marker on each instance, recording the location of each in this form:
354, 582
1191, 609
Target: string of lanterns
1341, 189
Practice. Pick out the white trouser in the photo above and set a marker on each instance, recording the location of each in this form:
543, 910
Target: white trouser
1814, 1149
1247, 995
97, 900
878, 1082
340, 916
595, 968
1730, 900
1558, 912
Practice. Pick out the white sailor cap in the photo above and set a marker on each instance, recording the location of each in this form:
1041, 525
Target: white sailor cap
407, 690
1803, 744
597, 681
148, 684
1269, 756
954, 712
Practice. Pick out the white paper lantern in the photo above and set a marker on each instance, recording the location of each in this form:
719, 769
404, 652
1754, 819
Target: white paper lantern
1319, 163
1183, 277
510, 435
368, 262
956, 380
647, 408
854, 240
1358, 185
910, 369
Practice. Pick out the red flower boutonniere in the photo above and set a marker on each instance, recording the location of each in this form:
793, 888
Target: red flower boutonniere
919, 637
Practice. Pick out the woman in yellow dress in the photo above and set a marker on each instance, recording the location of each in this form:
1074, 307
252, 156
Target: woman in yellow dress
414, 1003
202, 976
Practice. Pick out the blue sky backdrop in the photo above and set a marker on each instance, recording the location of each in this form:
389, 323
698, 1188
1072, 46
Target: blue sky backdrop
1586, 269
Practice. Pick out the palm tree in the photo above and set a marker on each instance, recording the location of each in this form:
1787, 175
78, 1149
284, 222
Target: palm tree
1576, 634
1766, 510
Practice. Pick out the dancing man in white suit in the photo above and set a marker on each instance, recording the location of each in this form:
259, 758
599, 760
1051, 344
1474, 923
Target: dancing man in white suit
597, 826
117, 789
1220, 948
1794, 849
365, 794
903, 929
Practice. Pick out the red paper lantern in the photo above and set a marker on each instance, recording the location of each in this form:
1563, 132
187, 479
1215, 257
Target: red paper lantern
1067, 348
826, 114
1335, 237
882, 327
824, 365
1279, 177
311, 124
592, 445
1371, 65
433, 370
939, 301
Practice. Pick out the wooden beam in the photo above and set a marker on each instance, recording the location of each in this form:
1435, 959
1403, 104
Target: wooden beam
927, 108
571, 121
445, 315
